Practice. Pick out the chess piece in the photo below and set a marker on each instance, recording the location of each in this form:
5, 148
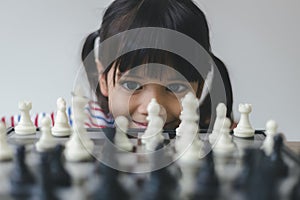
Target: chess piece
121, 139
224, 145
163, 183
109, 186
21, 178
61, 126
261, 184
271, 131
60, 176
221, 115
5, 150
295, 193
25, 125
155, 128
153, 110
190, 146
187, 139
248, 167
79, 147
153, 133
277, 164
45, 187
46, 141
244, 129
189, 112
207, 185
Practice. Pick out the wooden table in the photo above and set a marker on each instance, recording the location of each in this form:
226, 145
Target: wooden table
294, 146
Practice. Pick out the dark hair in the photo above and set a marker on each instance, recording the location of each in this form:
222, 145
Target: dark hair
179, 15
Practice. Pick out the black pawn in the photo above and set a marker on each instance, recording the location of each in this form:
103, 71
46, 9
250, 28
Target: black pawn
278, 166
248, 167
45, 188
60, 176
109, 186
207, 187
295, 193
163, 185
21, 178
261, 185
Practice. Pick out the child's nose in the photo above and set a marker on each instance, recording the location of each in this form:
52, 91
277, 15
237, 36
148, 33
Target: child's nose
153, 91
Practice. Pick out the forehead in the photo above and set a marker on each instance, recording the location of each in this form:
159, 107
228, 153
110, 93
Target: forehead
154, 71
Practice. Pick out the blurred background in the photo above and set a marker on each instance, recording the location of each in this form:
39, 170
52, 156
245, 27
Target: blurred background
40, 44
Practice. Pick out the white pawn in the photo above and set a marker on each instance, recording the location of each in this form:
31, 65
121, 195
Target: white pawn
189, 114
46, 141
61, 127
271, 131
79, 147
244, 129
80, 116
5, 150
190, 145
156, 128
121, 139
25, 126
153, 110
224, 146
76, 149
221, 115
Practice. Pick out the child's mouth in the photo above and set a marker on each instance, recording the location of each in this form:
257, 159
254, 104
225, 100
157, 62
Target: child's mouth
141, 124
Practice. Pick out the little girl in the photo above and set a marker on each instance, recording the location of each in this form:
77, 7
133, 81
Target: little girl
148, 49
126, 67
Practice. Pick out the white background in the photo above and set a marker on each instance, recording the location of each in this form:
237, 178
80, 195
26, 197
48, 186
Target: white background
258, 40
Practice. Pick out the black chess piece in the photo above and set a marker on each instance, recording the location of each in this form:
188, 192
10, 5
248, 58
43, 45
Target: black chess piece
207, 185
278, 166
248, 159
163, 184
21, 178
262, 184
60, 176
45, 188
109, 186
295, 193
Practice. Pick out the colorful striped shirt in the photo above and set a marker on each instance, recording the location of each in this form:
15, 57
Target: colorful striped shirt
96, 118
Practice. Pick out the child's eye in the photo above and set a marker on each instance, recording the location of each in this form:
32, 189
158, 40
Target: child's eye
176, 87
130, 85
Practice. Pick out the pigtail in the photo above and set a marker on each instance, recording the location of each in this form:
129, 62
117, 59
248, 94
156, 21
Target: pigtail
208, 112
90, 58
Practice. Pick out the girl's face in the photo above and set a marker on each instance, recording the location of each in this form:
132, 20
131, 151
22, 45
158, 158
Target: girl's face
134, 89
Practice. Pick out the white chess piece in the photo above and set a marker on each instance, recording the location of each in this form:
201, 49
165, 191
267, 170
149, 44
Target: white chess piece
271, 131
190, 146
75, 150
153, 110
46, 141
224, 145
5, 150
25, 126
61, 127
79, 147
189, 114
244, 129
155, 128
121, 140
221, 115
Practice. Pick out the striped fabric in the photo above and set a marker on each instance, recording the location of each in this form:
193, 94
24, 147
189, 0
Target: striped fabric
96, 118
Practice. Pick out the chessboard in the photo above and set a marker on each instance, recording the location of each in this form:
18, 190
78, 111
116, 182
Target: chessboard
132, 175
